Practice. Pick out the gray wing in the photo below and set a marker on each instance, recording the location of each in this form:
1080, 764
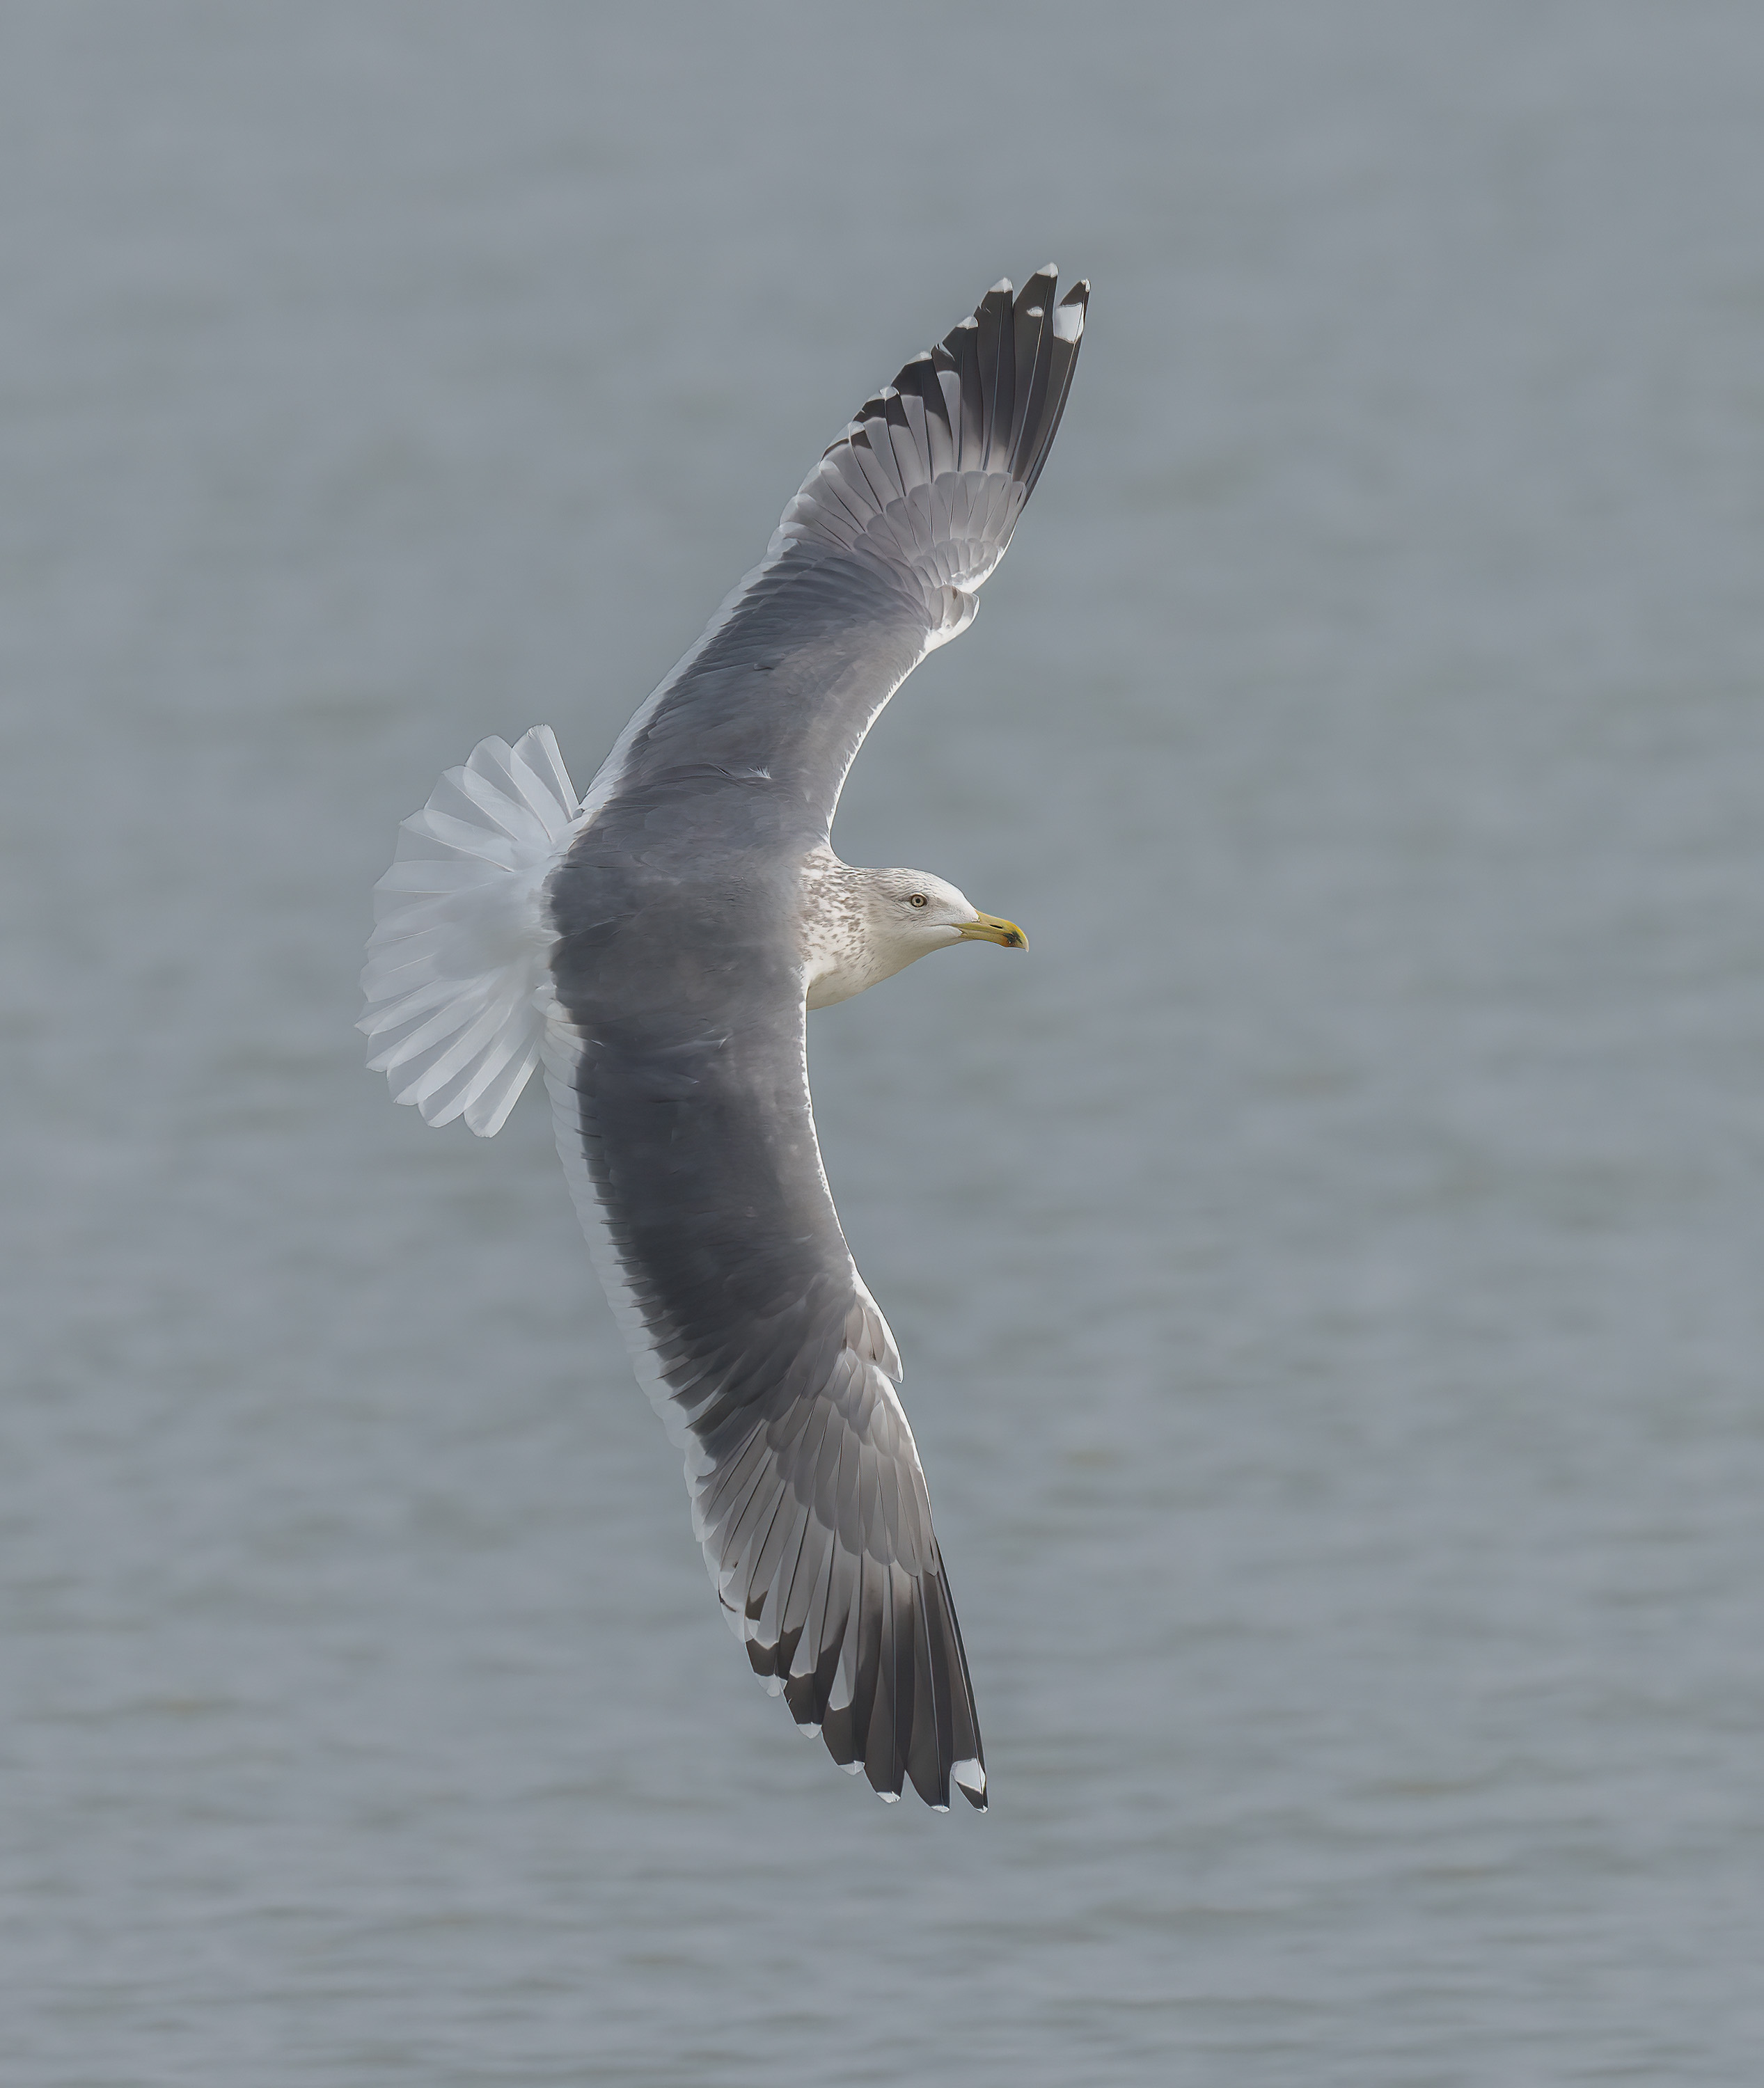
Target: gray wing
676, 1068
675, 1052
877, 561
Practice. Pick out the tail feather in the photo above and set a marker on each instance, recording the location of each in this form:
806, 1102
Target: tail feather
457, 970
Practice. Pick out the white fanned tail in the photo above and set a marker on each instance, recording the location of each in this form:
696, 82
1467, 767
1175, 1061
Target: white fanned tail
457, 978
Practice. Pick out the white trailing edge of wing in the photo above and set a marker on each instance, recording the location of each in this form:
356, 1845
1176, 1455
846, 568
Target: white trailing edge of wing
458, 973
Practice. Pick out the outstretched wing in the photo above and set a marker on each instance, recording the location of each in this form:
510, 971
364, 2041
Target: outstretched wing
675, 1055
646, 943
675, 1062
877, 561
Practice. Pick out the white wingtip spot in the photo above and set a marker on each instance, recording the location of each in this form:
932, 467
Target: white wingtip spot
1068, 322
970, 1776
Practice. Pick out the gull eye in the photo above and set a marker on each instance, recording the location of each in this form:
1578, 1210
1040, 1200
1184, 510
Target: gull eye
918, 899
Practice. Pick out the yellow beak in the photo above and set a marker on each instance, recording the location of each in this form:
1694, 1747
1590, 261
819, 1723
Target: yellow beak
988, 928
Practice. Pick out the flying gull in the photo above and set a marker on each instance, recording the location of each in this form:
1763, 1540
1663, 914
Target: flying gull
656, 946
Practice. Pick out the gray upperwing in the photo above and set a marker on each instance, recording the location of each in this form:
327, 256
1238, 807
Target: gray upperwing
681, 1086
676, 1061
878, 559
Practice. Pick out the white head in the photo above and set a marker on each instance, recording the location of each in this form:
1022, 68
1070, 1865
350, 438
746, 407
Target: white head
880, 920
911, 912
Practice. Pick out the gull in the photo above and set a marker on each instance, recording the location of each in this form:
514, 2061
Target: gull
656, 946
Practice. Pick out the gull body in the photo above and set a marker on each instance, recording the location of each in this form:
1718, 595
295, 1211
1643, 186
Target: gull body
657, 945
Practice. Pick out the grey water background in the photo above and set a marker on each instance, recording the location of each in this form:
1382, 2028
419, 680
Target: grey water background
1328, 1266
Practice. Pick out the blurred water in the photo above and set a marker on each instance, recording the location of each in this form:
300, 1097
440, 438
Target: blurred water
1327, 1267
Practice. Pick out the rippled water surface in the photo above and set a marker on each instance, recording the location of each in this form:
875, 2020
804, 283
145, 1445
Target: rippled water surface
1328, 1266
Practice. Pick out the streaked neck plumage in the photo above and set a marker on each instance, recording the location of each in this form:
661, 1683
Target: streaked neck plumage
859, 926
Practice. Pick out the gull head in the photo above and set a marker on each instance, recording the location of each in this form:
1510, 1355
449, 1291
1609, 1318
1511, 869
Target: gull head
908, 912
875, 922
